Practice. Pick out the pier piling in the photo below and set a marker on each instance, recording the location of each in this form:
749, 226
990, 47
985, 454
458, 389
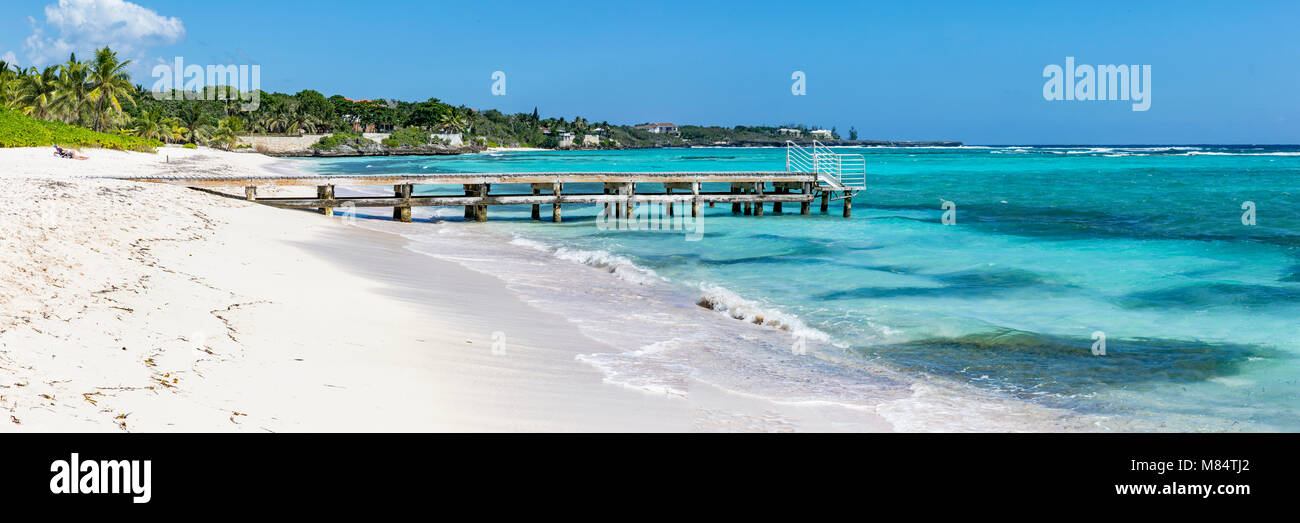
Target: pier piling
695, 200
556, 188
629, 189
325, 193
480, 210
537, 208
402, 213
469, 209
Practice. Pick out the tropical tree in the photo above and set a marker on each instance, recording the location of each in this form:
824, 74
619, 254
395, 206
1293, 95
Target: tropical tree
196, 122
72, 91
37, 90
263, 121
150, 124
228, 132
300, 120
110, 86
283, 116
9, 76
455, 119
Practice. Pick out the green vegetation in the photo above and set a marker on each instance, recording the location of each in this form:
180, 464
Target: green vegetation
227, 133
17, 130
98, 94
349, 138
408, 137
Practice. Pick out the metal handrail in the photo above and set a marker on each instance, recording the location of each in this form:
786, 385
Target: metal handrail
839, 170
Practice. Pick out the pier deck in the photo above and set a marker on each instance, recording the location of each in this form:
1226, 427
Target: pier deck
748, 191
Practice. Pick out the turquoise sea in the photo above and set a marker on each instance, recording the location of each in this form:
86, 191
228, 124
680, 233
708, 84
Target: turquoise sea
985, 324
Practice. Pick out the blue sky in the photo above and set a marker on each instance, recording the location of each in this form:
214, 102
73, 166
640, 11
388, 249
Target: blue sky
1222, 72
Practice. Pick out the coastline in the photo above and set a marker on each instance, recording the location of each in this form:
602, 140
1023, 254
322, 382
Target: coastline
349, 152
141, 307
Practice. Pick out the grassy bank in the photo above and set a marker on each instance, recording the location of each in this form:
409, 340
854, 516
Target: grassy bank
17, 130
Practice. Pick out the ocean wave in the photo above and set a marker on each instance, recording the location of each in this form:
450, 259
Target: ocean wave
619, 266
1220, 153
722, 300
651, 368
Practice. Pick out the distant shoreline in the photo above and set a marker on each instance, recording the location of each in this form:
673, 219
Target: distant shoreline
469, 149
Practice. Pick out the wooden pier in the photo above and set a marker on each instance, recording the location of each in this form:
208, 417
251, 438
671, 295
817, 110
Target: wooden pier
747, 192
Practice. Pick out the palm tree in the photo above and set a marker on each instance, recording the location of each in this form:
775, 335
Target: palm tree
150, 125
196, 123
72, 91
281, 119
110, 86
454, 120
262, 121
299, 120
37, 90
228, 132
173, 130
9, 75
153, 124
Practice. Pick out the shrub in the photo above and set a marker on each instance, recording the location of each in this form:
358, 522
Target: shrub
407, 137
338, 139
189, 146
17, 130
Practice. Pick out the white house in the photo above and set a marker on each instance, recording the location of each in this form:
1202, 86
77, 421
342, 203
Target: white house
565, 138
660, 128
824, 134
790, 132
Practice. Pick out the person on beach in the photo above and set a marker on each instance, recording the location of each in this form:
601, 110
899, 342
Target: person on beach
68, 153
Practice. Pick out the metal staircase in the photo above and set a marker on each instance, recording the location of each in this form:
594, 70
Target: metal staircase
836, 172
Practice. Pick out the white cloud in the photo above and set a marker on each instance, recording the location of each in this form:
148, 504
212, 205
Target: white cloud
82, 25
9, 58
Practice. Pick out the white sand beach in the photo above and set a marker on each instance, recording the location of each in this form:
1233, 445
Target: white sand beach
141, 307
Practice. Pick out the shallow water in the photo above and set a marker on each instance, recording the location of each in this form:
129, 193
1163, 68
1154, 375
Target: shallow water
1050, 245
